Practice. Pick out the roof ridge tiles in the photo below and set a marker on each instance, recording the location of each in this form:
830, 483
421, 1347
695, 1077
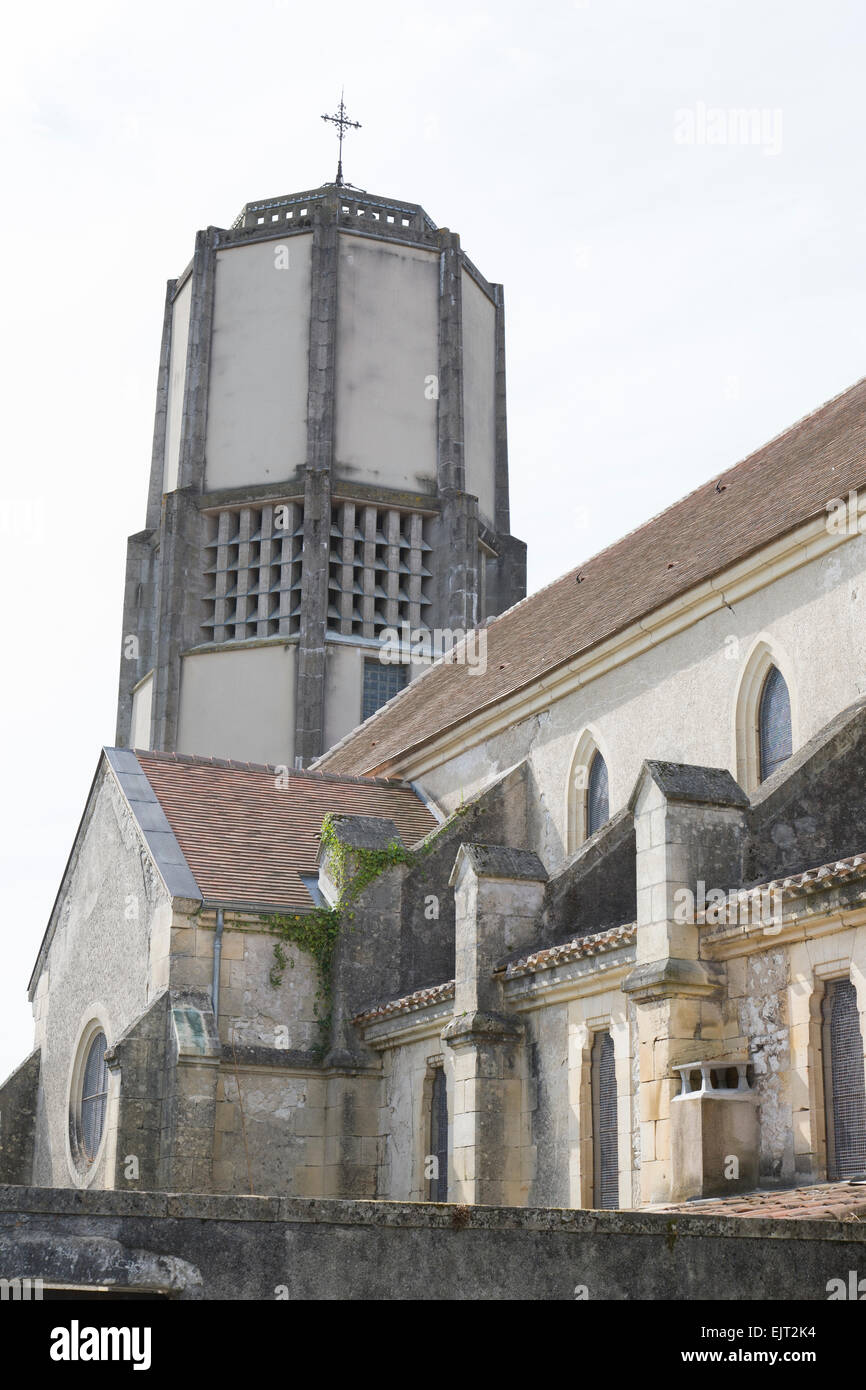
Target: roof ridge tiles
237, 765
547, 957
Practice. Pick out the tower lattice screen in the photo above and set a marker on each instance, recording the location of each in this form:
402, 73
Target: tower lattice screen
377, 577
253, 571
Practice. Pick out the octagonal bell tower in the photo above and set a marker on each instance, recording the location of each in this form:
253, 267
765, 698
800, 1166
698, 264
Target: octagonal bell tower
329, 466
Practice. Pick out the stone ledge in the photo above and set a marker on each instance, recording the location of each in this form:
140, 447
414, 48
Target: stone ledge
478, 1028
274, 1058
670, 977
333, 1211
499, 862
699, 786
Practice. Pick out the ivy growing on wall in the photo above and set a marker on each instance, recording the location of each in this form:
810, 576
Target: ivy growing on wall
316, 932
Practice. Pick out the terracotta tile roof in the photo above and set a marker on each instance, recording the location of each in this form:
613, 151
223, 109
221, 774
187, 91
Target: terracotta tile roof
787, 482
580, 946
526, 965
814, 880
746, 903
247, 840
839, 1201
409, 1004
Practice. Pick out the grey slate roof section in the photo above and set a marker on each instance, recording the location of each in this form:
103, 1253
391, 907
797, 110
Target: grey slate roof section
160, 838
500, 861
365, 832
705, 786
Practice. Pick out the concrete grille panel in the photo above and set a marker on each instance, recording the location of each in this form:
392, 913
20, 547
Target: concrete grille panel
253, 572
377, 577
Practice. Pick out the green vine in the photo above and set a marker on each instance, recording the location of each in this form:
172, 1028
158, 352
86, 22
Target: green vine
316, 932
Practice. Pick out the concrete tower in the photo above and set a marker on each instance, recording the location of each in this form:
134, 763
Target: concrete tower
329, 464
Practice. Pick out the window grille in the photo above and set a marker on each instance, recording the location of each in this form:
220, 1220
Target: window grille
844, 1091
774, 723
439, 1136
94, 1094
381, 683
597, 798
253, 572
605, 1155
377, 576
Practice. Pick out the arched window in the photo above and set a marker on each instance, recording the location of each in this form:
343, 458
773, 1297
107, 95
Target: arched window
765, 714
587, 806
844, 1085
605, 1161
438, 1191
774, 723
94, 1094
597, 798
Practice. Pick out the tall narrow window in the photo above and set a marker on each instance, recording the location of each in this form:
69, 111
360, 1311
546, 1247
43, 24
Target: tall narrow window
774, 723
597, 799
94, 1094
605, 1160
439, 1137
844, 1090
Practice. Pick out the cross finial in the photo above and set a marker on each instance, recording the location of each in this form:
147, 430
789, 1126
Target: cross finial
342, 122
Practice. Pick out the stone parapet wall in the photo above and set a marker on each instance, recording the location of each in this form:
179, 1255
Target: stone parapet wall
266, 1248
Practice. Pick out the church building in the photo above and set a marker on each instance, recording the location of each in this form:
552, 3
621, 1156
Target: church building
572, 915
330, 472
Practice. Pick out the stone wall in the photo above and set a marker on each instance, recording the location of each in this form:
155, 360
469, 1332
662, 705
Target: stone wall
401, 936
269, 1131
812, 810
109, 957
405, 1111
761, 1012
269, 1248
252, 1010
595, 887
18, 1096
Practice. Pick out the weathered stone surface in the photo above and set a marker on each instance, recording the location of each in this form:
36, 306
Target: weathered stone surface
499, 861
365, 832
18, 1099
219, 1247
401, 936
595, 888
710, 786
812, 810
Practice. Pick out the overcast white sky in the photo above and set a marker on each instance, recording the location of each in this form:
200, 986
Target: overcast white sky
669, 305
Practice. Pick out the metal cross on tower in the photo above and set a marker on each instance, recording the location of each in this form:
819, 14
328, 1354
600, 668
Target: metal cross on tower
342, 122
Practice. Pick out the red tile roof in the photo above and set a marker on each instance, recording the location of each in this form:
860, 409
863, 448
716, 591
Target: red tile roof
247, 840
409, 1004
787, 482
747, 904
840, 1201
576, 949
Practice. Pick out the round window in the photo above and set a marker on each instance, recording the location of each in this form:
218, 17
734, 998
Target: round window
92, 1103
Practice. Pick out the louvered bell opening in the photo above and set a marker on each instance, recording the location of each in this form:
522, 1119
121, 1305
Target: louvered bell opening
439, 1136
844, 1088
605, 1156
